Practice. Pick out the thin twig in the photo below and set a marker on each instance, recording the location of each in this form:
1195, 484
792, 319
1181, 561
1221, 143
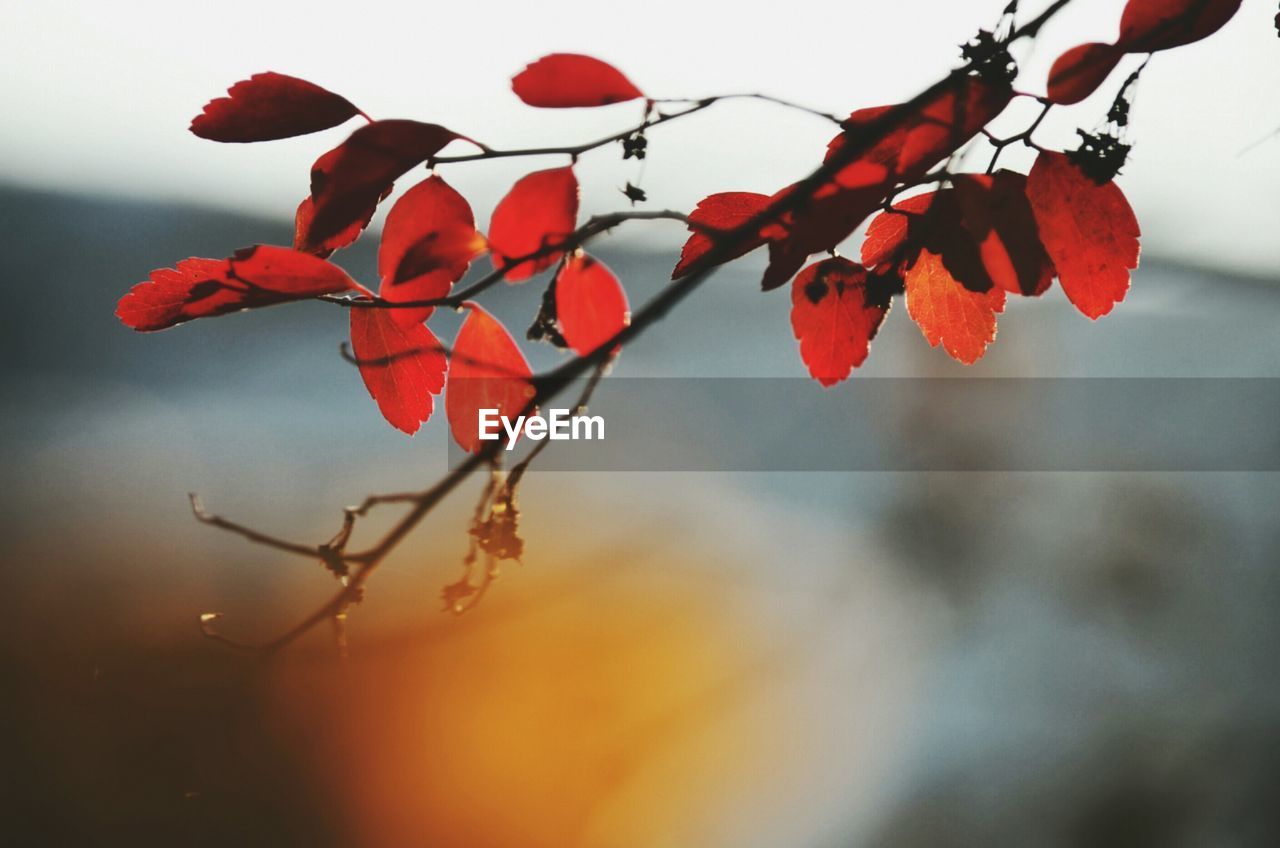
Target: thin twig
197, 508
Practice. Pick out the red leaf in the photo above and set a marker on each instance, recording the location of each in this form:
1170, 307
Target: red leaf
936, 129
487, 371
1150, 25
539, 212
427, 245
1089, 231
832, 319
196, 288
304, 239
286, 273
402, 366
269, 106
996, 213
816, 226
723, 211
888, 232
565, 80
590, 303
349, 180
1078, 72
200, 288
962, 321
324, 248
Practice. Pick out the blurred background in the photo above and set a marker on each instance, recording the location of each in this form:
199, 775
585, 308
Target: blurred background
738, 659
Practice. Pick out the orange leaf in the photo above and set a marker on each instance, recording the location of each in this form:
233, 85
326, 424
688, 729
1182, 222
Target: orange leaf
962, 321
590, 303
402, 366
539, 212
931, 133
565, 80
486, 371
831, 318
1088, 230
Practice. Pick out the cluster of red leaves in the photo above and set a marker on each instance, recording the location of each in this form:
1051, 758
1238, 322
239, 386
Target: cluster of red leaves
428, 243
1146, 26
930, 133
955, 253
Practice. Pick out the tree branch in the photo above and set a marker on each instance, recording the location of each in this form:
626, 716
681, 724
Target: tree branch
595, 226
725, 247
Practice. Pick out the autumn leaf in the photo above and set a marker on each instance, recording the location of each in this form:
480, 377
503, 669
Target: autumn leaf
1078, 72
539, 212
196, 288
933, 222
888, 233
324, 248
254, 277
724, 211
303, 237
402, 365
590, 303
427, 245
815, 226
962, 321
1150, 25
832, 319
486, 371
349, 180
995, 212
1088, 230
269, 106
566, 80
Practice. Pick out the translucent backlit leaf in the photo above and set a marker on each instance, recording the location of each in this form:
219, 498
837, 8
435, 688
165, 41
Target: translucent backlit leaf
536, 215
1088, 230
962, 321
402, 366
832, 319
590, 303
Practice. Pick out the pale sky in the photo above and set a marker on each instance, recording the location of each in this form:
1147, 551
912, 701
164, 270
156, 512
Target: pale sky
97, 97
